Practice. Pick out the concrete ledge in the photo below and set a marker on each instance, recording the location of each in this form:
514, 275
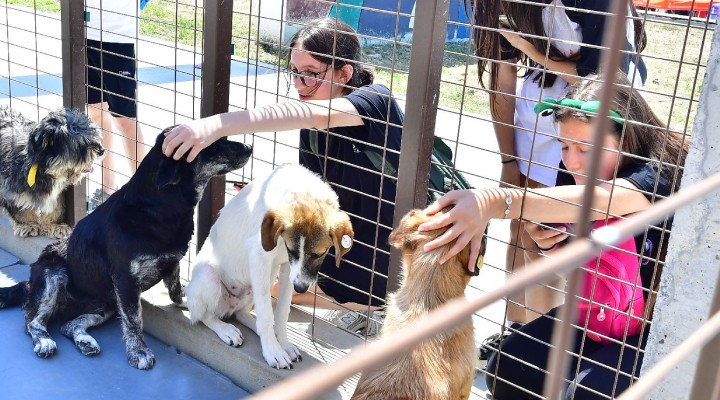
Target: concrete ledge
27, 249
245, 365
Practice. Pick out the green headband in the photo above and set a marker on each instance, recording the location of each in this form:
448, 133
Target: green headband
549, 105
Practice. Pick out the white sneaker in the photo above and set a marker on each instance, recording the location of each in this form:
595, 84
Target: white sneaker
357, 321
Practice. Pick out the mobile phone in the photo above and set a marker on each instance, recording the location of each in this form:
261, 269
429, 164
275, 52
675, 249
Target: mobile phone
569, 227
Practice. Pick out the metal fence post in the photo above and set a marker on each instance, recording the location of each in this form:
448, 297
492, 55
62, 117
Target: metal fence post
215, 82
706, 385
72, 21
426, 60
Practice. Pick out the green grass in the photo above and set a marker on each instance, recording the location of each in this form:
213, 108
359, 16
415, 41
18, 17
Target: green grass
50, 6
673, 84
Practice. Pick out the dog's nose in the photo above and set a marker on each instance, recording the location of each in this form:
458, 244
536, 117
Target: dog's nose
301, 287
101, 152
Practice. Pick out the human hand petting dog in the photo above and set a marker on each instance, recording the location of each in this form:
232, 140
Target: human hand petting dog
471, 212
192, 136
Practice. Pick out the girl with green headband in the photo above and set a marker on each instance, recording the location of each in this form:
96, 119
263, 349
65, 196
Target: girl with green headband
529, 50
641, 163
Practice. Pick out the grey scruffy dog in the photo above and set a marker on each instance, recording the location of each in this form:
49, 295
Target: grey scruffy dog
38, 161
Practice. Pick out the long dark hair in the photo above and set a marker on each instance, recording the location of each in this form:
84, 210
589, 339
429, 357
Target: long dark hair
334, 43
526, 18
643, 136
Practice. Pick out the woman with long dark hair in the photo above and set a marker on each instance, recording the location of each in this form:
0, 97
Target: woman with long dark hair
554, 43
640, 164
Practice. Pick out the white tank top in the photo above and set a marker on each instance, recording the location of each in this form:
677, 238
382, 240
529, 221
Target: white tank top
535, 136
119, 21
535, 141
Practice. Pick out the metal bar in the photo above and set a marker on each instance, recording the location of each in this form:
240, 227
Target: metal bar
707, 332
706, 385
562, 338
72, 25
426, 59
309, 384
215, 83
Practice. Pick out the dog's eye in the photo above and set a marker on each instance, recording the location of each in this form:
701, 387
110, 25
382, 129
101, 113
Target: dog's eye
293, 254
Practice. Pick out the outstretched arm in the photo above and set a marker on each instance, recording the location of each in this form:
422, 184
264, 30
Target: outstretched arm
472, 209
195, 135
567, 70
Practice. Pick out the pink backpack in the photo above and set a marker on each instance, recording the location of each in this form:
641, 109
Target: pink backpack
614, 289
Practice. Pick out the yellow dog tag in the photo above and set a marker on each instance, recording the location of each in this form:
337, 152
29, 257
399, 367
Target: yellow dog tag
31, 175
479, 263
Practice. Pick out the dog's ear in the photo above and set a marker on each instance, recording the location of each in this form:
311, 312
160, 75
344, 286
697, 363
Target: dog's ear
168, 172
271, 229
342, 234
406, 235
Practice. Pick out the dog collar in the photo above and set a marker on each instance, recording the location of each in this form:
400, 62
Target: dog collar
31, 175
549, 105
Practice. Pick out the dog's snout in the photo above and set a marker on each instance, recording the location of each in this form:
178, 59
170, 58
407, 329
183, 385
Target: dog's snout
301, 287
101, 151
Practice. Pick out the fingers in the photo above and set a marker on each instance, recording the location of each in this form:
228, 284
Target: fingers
439, 241
193, 153
184, 147
437, 223
474, 253
172, 140
447, 199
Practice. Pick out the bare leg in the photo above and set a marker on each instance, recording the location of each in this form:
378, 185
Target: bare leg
133, 140
316, 297
534, 301
100, 115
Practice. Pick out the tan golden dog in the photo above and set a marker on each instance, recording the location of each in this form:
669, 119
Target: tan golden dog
440, 368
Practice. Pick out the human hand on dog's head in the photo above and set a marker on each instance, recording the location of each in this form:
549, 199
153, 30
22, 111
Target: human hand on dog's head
192, 136
467, 219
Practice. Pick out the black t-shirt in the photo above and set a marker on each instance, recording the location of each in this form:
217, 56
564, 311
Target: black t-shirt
652, 243
356, 180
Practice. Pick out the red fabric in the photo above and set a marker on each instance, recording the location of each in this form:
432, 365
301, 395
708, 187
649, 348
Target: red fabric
676, 5
611, 298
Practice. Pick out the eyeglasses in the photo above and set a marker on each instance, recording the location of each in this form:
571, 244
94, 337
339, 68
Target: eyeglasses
549, 105
309, 79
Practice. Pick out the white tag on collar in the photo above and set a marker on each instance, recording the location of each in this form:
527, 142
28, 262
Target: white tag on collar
346, 242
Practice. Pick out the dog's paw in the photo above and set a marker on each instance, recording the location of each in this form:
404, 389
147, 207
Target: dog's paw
292, 351
45, 347
87, 345
277, 357
141, 358
230, 334
25, 230
59, 231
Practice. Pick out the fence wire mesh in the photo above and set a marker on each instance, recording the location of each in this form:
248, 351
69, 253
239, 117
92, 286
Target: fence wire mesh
162, 47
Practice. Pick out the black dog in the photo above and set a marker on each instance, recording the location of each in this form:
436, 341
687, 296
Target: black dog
127, 245
38, 161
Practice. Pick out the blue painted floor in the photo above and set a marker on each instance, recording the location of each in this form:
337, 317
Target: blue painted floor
71, 375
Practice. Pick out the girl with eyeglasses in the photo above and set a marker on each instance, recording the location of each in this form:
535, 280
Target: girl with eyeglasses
345, 121
641, 163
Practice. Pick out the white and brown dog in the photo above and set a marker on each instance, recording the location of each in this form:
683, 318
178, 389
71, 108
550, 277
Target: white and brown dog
440, 368
279, 227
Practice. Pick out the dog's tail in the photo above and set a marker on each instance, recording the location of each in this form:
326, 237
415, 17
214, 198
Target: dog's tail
14, 295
